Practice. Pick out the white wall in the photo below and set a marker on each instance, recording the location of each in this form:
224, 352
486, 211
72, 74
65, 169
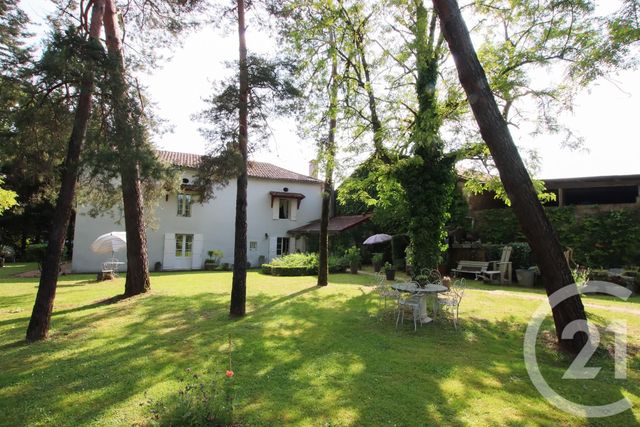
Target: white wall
215, 220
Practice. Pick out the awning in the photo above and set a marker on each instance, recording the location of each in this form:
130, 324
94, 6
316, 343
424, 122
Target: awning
286, 195
337, 224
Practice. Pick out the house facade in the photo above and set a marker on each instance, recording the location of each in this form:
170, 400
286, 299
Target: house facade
278, 200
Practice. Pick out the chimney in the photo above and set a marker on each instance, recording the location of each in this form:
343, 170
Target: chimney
313, 168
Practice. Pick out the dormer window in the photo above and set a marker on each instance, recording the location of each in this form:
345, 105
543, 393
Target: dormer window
184, 204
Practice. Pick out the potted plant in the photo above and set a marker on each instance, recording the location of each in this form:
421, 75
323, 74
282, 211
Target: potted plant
213, 261
352, 256
389, 271
377, 259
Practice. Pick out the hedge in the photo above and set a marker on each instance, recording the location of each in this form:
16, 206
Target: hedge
600, 240
301, 265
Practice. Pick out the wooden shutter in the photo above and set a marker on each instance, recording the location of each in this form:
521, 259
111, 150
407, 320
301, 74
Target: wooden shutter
276, 208
273, 247
196, 252
168, 260
292, 245
293, 206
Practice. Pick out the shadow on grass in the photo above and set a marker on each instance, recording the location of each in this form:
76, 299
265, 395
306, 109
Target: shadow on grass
309, 357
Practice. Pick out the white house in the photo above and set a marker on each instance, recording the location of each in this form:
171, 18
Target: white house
278, 200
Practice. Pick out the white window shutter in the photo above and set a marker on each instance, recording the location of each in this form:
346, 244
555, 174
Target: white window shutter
168, 260
292, 245
276, 208
294, 209
273, 247
196, 252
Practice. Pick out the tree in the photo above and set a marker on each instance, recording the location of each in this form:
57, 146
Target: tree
129, 138
328, 156
495, 132
260, 88
239, 283
41, 316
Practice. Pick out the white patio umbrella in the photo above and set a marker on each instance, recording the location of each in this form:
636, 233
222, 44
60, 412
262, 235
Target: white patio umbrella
110, 243
377, 238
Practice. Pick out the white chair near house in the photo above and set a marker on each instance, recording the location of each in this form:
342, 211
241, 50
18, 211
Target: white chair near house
384, 290
451, 300
412, 305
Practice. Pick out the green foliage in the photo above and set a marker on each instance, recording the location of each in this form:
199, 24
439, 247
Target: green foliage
372, 187
34, 253
215, 255
377, 258
493, 184
202, 400
498, 226
608, 239
8, 198
429, 181
352, 255
301, 264
603, 239
388, 267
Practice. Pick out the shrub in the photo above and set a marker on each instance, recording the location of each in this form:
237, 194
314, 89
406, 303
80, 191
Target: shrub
265, 269
201, 401
301, 265
7, 252
352, 255
35, 252
377, 258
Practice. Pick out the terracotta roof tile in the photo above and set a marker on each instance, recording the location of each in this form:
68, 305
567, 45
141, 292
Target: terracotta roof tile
255, 170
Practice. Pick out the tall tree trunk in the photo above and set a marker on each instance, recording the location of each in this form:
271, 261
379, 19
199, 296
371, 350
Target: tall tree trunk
41, 315
495, 132
376, 125
239, 283
329, 158
126, 139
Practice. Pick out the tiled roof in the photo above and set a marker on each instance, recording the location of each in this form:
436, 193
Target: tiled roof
255, 169
337, 224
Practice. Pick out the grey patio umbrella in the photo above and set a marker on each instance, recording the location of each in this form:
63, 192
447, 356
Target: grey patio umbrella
377, 238
110, 243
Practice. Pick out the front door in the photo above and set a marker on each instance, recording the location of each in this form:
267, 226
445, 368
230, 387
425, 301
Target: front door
184, 251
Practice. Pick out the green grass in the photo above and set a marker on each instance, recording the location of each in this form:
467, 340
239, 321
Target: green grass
11, 269
303, 356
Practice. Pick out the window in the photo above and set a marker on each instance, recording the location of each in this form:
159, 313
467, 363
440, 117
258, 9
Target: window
184, 204
284, 208
184, 243
253, 246
282, 247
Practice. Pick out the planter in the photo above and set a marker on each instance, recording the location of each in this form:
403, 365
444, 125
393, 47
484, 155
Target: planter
354, 268
210, 266
526, 278
377, 266
390, 273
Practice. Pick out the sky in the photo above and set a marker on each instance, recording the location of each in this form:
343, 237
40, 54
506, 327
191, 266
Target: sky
606, 115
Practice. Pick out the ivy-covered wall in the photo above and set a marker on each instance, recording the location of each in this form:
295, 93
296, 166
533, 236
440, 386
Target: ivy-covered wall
600, 240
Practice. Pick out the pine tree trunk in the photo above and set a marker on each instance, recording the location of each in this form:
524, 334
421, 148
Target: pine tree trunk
41, 315
137, 280
495, 132
239, 283
329, 154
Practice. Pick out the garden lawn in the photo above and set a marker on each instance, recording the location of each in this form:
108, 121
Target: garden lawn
302, 356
